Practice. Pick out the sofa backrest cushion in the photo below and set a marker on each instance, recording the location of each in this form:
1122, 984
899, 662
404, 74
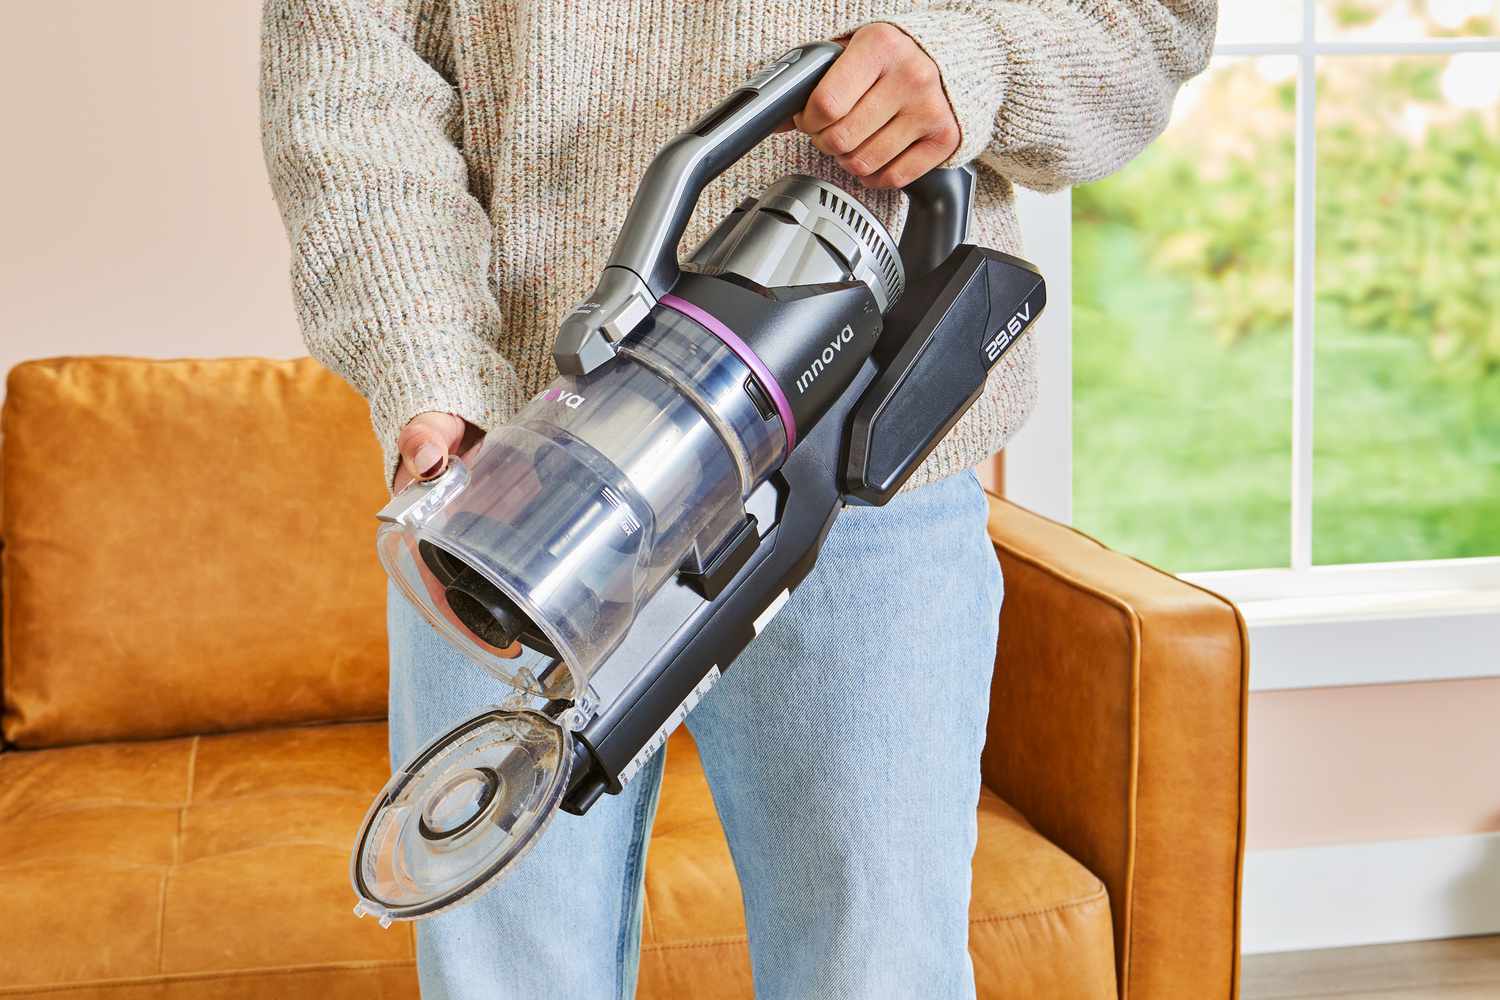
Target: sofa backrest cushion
188, 547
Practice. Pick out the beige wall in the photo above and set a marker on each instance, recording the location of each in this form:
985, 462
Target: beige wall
1384, 762
137, 215
138, 221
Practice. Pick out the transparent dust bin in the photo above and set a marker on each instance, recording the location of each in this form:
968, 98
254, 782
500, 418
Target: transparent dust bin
570, 517
533, 558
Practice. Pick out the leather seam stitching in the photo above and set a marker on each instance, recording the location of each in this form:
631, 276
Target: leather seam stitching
1073, 904
166, 878
188, 977
691, 945
138, 739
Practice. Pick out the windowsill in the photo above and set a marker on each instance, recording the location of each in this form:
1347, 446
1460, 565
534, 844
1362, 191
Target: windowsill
1367, 607
1388, 637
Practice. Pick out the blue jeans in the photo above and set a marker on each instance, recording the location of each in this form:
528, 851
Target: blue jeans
843, 752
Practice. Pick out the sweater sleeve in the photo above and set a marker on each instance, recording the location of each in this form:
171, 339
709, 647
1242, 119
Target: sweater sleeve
1052, 93
389, 248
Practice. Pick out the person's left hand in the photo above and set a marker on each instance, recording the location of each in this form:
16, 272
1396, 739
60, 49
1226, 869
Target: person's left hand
880, 110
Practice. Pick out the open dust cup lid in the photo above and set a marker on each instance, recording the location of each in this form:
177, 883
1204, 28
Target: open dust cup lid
454, 819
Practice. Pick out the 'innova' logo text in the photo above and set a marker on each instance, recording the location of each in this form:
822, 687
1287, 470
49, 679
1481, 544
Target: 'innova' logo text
824, 359
569, 399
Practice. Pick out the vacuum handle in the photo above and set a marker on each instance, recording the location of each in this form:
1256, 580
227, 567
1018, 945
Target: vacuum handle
937, 219
669, 189
643, 266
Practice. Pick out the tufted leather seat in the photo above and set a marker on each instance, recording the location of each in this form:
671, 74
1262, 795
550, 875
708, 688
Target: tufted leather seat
194, 674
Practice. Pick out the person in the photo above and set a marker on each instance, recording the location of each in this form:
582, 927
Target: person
452, 174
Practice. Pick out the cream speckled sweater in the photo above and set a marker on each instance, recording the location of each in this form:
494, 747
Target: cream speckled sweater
452, 173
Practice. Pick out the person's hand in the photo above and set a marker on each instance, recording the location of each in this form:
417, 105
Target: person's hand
427, 442
880, 110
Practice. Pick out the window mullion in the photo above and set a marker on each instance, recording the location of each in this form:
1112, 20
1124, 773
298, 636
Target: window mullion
1304, 264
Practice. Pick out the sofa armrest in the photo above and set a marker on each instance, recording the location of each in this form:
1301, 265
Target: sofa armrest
1117, 727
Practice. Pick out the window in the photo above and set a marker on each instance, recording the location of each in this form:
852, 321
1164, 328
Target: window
1285, 321
1182, 330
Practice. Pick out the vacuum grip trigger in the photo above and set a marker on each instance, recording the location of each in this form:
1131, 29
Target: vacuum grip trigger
940, 342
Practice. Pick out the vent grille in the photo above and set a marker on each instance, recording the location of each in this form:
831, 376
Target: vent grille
877, 244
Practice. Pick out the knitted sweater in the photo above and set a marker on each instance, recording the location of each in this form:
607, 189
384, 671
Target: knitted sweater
452, 173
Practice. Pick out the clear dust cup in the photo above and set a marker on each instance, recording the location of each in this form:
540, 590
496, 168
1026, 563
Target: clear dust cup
572, 515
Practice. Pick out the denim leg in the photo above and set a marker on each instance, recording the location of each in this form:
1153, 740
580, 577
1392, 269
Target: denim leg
843, 752
566, 922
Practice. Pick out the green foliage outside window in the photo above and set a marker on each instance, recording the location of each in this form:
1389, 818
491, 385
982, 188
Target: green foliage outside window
1183, 296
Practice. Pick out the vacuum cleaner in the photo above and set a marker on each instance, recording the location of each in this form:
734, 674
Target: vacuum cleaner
611, 550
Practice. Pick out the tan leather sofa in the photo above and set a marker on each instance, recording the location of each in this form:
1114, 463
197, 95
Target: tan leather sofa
194, 680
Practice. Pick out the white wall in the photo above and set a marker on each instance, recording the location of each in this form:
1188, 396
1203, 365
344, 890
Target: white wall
137, 216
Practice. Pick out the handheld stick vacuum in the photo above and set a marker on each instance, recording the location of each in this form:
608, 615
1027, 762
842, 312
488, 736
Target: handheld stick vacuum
615, 546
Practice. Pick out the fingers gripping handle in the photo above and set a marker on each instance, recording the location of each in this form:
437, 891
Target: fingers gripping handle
669, 191
643, 266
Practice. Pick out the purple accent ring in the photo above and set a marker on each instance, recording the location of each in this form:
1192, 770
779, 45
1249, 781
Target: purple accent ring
742, 350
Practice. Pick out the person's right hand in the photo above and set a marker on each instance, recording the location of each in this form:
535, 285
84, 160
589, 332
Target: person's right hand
427, 442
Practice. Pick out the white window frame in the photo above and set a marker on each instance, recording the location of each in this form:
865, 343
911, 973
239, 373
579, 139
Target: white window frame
1311, 626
